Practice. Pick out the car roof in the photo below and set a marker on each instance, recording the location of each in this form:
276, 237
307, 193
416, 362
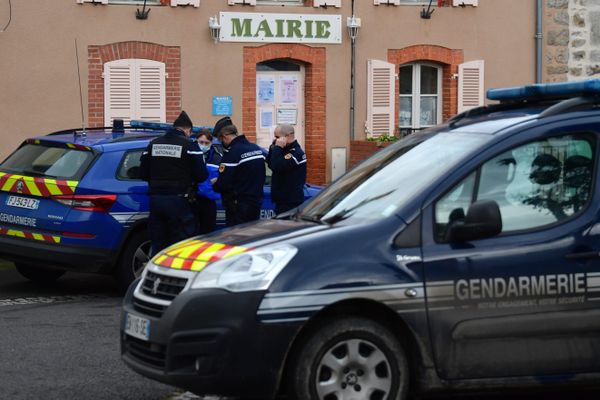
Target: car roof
521, 104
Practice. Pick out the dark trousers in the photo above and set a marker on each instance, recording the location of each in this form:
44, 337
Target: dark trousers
171, 220
283, 207
206, 215
237, 212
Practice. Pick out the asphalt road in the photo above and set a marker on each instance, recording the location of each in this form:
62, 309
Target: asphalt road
62, 342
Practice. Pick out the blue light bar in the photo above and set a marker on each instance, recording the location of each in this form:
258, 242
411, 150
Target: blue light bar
162, 126
540, 91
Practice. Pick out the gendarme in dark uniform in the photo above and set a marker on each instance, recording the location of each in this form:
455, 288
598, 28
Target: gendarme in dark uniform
288, 163
173, 165
241, 175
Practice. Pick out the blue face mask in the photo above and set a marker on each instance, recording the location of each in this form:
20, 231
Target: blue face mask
204, 148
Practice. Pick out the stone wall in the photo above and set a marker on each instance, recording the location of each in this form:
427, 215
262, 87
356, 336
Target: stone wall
556, 40
584, 46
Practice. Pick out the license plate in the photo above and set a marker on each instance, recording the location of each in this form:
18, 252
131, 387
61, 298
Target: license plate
137, 327
23, 202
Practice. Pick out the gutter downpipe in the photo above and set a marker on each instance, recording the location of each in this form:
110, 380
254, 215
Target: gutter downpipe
538, 42
352, 83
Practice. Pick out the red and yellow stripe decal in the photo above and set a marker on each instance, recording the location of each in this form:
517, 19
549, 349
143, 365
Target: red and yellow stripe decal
56, 144
41, 187
195, 254
42, 237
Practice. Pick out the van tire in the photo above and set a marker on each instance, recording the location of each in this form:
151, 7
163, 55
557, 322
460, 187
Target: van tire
343, 339
37, 274
134, 257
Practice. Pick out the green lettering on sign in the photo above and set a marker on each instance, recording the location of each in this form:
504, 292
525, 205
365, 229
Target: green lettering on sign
241, 28
294, 29
309, 29
279, 23
323, 29
264, 28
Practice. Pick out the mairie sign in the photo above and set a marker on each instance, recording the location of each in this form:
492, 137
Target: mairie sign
280, 28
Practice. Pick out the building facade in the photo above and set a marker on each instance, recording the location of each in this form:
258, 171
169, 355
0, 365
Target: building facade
412, 64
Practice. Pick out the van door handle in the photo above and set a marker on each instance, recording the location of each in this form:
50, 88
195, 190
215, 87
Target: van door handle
586, 255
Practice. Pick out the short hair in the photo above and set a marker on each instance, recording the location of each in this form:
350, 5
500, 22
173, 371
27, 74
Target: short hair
205, 132
286, 129
228, 130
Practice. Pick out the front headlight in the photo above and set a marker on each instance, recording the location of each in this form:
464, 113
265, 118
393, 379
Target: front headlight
253, 270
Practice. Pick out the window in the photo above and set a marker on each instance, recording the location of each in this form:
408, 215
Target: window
281, 2
130, 165
535, 185
420, 97
134, 89
48, 161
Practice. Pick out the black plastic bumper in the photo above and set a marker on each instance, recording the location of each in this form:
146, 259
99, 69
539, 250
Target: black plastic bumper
52, 255
209, 342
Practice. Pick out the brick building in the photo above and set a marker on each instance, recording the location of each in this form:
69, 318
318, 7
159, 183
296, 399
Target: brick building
413, 64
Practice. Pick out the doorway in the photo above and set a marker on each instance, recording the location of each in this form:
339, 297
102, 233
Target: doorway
279, 99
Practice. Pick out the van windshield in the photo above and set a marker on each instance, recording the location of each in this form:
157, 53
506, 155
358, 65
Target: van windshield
392, 177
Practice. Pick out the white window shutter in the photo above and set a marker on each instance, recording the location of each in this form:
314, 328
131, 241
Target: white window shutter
245, 2
390, 2
92, 1
150, 104
175, 3
118, 91
463, 3
381, 98
327, 3
470, 85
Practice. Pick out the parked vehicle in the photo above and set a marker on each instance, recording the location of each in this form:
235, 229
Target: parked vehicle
73, 201
463, 257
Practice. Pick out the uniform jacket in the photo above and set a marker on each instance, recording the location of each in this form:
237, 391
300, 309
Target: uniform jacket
289, 173
172, 164
242, 172
212, 160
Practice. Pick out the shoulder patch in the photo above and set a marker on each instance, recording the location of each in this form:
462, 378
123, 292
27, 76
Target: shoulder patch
221, 168
287, 156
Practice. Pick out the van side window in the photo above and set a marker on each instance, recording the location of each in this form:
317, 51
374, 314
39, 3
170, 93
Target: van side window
535, 185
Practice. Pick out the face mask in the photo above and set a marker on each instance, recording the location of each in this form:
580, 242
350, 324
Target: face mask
204, 148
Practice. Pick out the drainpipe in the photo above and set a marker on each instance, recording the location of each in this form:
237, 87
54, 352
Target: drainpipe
352, 82
538, 42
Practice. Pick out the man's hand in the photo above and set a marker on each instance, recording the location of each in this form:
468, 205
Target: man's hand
213, 180
281, 142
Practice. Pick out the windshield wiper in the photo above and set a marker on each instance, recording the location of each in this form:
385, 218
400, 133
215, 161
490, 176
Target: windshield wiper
315, 219
346, 212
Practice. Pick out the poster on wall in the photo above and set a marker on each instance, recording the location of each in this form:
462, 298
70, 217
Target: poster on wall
266, 118
266, 90
288, 87
287, 116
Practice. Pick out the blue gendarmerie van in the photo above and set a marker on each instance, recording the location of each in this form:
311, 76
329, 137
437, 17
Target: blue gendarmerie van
463, 257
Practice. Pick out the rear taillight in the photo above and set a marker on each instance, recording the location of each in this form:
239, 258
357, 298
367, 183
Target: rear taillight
88, 202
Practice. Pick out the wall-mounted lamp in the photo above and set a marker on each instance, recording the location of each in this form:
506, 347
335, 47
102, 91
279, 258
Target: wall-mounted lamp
426, 14
353, 24
215, 28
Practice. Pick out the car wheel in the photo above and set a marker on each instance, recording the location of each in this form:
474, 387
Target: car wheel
133, 259
38, 275
350, 358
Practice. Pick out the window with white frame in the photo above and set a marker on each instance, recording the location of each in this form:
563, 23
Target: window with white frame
134, 89
281, 2
420, 96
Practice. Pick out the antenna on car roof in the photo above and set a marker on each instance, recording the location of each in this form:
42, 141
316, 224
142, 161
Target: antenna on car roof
80, 94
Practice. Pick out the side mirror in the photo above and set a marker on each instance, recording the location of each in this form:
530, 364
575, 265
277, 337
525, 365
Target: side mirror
483, 221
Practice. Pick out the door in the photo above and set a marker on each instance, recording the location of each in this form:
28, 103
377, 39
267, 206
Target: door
279, 99
525, 302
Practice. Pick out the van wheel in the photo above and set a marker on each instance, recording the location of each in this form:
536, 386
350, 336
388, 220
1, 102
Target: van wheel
38, 275
350, 358
133, 259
